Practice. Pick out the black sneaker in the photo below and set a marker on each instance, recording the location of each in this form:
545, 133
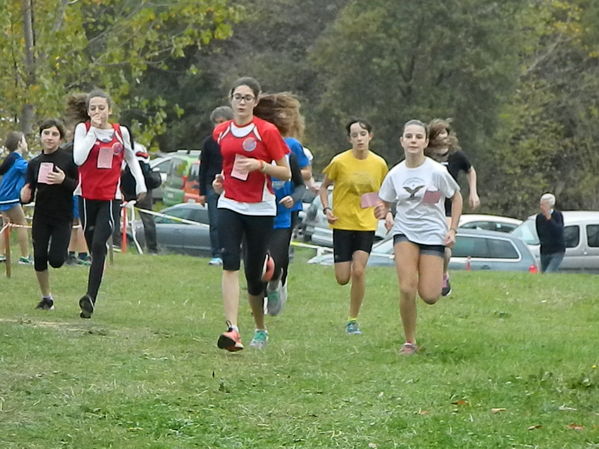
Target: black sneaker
45, 304
87, 306
446, 289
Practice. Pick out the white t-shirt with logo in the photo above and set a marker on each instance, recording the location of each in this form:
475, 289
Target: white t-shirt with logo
419, 194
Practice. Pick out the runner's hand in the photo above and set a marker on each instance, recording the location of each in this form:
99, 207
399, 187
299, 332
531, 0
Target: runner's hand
56, 177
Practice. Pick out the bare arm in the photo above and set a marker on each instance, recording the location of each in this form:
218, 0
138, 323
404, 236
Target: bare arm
473, 199
456, 213
324, 199
307, 173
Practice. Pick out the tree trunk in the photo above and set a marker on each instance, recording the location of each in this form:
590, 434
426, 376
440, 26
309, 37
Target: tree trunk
28, 113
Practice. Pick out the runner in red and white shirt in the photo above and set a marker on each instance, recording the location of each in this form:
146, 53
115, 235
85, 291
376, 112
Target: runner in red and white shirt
99, 148
249, 146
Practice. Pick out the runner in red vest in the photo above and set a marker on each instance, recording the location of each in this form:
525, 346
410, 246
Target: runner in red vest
99, 149
247, 205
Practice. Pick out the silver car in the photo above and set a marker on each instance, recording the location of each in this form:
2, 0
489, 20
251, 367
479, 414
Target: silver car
581, 233
474, 249
176, 236
315, 227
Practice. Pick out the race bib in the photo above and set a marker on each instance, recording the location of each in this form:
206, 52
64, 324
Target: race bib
238, 172
45, 169
105, 157
431, 197
370, 199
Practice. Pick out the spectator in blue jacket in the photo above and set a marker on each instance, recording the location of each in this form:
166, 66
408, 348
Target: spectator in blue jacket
13, 171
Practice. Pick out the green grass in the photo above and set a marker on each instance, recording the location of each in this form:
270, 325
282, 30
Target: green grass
145, 371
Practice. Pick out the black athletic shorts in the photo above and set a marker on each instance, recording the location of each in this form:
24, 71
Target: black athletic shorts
345, 243
432, 250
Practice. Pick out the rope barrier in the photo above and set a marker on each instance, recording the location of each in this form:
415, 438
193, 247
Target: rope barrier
12, 225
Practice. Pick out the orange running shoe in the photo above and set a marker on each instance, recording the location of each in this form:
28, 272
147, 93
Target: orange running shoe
230, 340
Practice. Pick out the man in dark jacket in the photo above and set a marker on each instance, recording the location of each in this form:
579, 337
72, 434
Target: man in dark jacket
550, 229
128, 189
211, 165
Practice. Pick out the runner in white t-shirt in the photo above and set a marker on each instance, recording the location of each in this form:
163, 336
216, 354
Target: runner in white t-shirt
418, 187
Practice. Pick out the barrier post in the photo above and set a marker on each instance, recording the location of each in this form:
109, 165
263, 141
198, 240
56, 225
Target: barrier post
7, 250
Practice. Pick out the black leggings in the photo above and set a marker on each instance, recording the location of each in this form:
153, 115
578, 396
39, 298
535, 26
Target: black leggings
50, 242
255, 232
97, 219
279, 250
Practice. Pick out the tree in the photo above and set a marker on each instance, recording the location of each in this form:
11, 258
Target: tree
547, 141
392, 61
78, 44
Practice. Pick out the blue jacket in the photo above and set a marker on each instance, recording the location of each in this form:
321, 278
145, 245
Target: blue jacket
302, 160
13, 171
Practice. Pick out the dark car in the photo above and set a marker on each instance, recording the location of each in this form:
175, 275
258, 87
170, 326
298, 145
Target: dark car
183, 230
474, 249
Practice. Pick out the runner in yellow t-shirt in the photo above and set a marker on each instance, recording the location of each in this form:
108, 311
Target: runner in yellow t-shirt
356, 176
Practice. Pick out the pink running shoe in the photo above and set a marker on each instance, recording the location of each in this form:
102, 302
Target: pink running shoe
408, 349
230, 340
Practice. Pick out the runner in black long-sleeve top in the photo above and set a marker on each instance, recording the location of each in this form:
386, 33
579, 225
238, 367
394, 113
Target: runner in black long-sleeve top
51, 179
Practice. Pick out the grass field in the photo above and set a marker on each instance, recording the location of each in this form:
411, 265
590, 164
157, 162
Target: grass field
509, 361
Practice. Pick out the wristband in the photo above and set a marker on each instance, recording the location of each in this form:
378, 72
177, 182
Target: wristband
324, 209
454, 230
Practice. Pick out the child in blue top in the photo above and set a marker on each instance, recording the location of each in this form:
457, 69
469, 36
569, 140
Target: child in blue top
287, 193
13, 171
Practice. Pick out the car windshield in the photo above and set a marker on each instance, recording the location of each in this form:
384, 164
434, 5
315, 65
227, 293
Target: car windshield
527, 232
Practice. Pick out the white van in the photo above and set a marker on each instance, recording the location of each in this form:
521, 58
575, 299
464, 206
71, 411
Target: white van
581, 233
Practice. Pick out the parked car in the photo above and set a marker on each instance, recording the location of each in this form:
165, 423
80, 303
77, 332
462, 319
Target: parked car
182, 179
475, 249
191, 187
176, 237
581, 233
315, 227
162, 165
489, 222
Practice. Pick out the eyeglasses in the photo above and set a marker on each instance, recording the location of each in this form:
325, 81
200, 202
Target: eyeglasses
247, 98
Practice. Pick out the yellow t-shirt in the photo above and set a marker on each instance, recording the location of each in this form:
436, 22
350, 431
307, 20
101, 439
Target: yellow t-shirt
352, 178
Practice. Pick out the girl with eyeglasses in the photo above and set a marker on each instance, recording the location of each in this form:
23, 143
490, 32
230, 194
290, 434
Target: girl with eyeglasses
247, 206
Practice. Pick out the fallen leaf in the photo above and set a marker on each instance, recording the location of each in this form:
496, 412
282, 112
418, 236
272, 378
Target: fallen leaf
498, 410
563, 408
423, 412
536, 426
575, 426
372, 445
461, 402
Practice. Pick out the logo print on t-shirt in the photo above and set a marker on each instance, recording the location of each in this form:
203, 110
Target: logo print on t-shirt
117, 147
249, 144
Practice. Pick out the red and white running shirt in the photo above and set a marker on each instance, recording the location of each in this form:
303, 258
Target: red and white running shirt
99, 153
259, 140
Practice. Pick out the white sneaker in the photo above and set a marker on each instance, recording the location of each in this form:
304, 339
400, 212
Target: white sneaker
273, 295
